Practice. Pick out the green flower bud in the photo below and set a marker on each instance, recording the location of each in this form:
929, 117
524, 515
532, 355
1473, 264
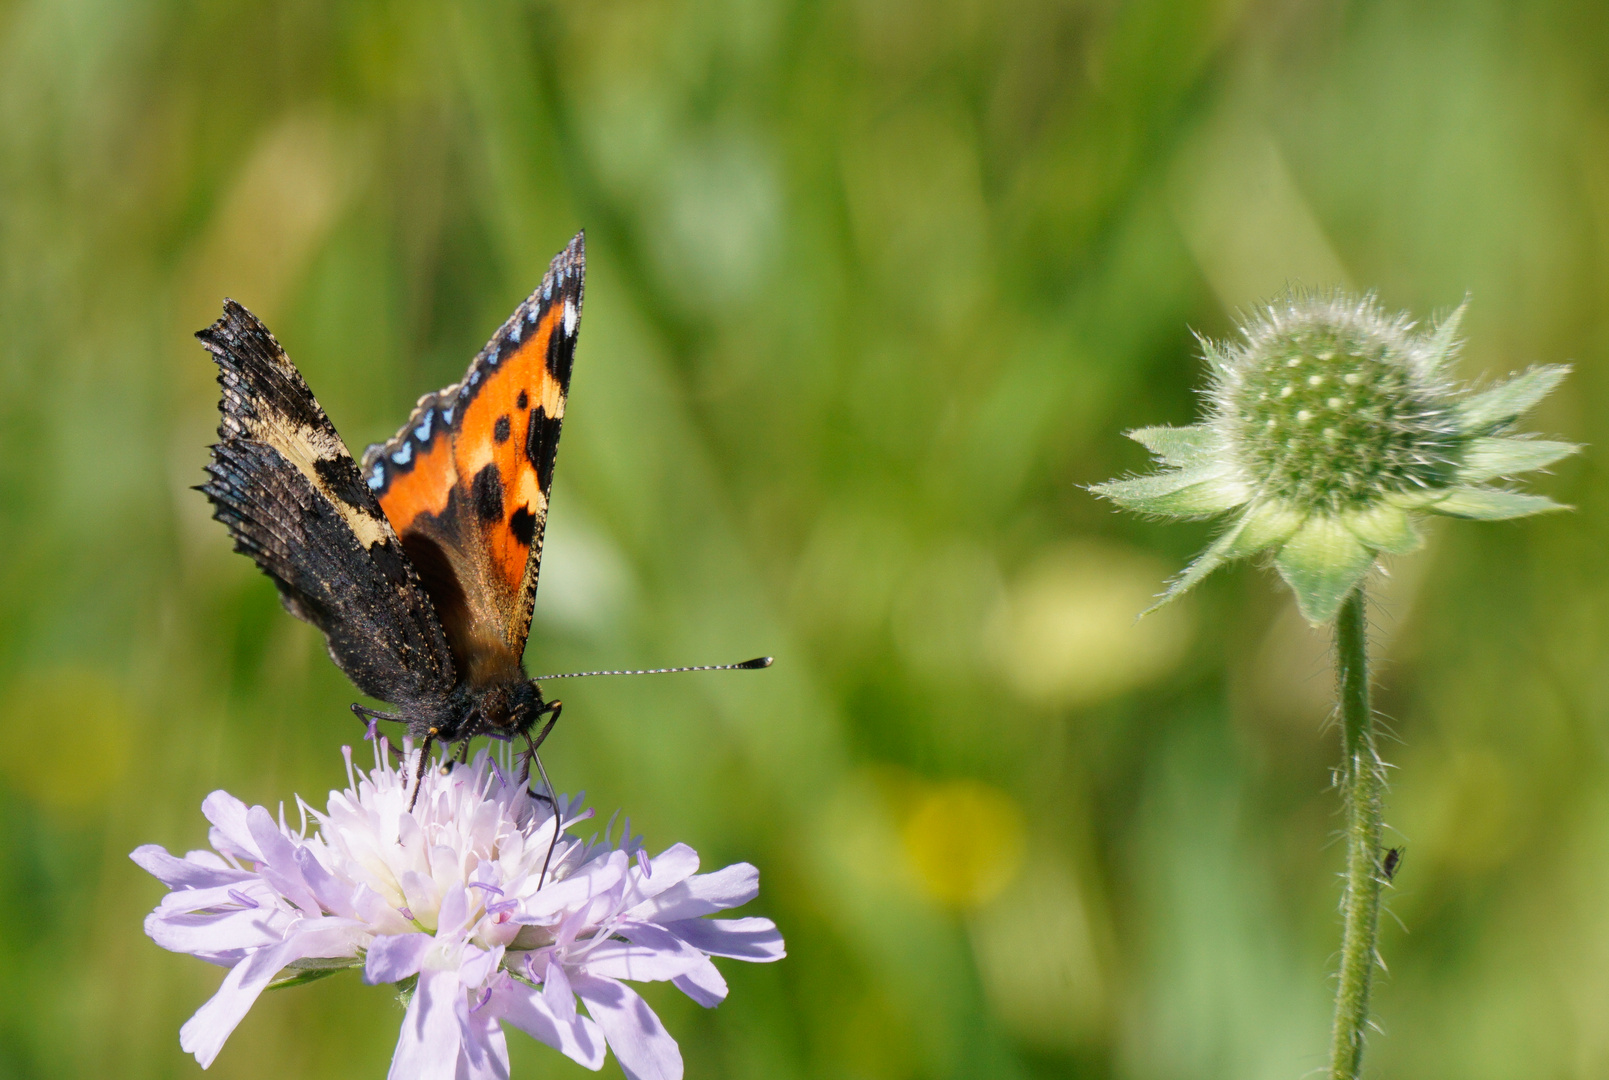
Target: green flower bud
1329, 427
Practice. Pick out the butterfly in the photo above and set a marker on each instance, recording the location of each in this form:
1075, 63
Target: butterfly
419, 565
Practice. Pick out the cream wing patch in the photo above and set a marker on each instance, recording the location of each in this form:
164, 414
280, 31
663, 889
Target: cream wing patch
325, 463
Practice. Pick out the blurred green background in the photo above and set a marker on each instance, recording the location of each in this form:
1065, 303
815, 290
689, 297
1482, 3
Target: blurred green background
875, 286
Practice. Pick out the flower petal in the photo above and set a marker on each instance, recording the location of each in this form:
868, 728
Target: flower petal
1489, 504
177, 873
1485, 459
642, 963
556, 992
278, 864
204, 1033
477, 965
251, 894
220, 938
394, 957
1322, 563
728, 887
751, 939
423, 900
432, 1030
484, 1054
592, 880
331, 893
1173, 445
230, 832
1386, 527
1500, 406
703, 984
641, 1044
1193, 492
670, 867
382, 918
453, 918
574, 1036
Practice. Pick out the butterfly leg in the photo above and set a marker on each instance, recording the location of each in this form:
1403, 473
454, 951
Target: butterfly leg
463, 752
419, 774
554, 707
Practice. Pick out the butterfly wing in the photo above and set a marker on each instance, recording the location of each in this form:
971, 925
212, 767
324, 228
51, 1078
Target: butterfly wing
467, 479
293, 499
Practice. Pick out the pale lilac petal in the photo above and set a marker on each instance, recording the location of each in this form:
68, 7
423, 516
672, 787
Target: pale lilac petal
703, 984
623, 960
703, 895
229, 833
478, 965
641, 1044
671, 867
484, 1055
278, 864
373, 909
394, 957
204, 1033
251, 894
332, 894
432, 1029
210, 859
419, 890
186, 873
215, 935
756, 940
575, 1036
654, 954
593, 880
454, 913
557, 993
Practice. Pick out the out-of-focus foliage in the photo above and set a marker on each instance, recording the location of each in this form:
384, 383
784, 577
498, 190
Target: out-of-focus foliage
874, 287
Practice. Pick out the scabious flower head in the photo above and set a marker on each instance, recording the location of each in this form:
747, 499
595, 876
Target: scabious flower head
1329, 426
450, 901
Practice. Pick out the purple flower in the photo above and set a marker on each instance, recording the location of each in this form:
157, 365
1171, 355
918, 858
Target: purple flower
451, 899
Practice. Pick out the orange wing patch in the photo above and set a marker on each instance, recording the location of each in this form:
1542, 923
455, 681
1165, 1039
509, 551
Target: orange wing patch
511, 498
466, 481
424, 488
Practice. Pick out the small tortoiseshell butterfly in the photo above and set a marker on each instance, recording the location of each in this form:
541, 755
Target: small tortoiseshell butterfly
420, 566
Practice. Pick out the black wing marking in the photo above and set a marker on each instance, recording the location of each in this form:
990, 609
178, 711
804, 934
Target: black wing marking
292, 498
566, 276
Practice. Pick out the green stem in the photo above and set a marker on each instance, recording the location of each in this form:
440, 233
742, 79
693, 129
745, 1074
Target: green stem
1362, 781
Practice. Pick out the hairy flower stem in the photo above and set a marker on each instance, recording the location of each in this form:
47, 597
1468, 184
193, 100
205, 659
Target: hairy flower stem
1362, 781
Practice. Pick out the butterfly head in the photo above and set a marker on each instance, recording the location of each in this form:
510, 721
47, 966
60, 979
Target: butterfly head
505, 710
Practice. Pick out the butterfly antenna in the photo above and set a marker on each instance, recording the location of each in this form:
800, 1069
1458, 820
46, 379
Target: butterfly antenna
747, 665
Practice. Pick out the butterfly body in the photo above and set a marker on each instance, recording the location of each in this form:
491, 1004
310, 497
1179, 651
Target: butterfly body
420, 566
